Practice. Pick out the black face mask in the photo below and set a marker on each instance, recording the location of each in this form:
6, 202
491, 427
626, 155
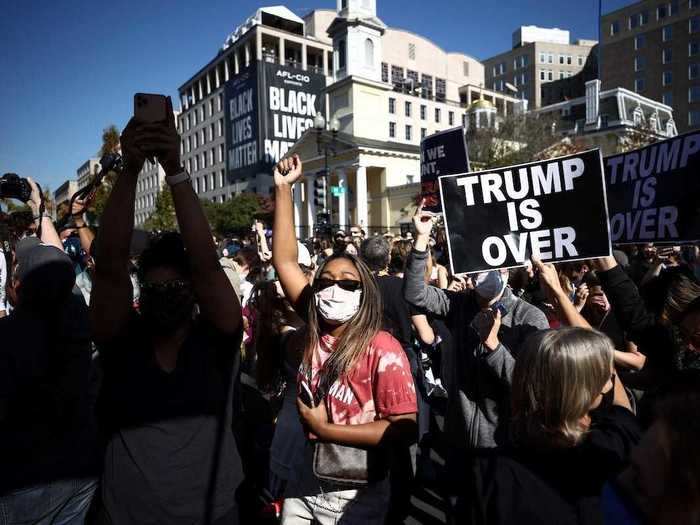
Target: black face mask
166, 306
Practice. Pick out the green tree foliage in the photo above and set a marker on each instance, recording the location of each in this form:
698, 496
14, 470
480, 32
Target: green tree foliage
163, 217
235, 215
110, 140
110, 144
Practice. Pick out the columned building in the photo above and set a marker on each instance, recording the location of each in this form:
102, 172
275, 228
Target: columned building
150, 183
390, 88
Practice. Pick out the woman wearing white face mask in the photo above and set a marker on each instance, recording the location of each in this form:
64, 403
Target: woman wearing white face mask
357, 397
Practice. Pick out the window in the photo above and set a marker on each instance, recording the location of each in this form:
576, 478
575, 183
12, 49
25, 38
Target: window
194, 117
693, 71
437, 115
204, 160
638, 84
211, 157
673, 8
579, 60
369, 52
693, 48
202, 140
693, 3
219, 102
385, 72
413, 77
211, 107
392, 129
187, 122
543, 59
196, 140
221, 152
694, 94
666, 56
667, 98
550, 58
614, 28
423, 111
411, 51
408, 109
196, 185
562, 75
568, 60
662, 11
639, 63
465, 68
392, 105
667, 78
189, 143
341, 54
550, 75
639, 41
543, 74
202, 113
427, 85
221, 184
666, 33
451, 118
694, 118
204, 183
220, 127
189, 165
423, 133
211, 132
408, 132
643, 18
196, 163
397, 77
440, 89
694, 24
562, 58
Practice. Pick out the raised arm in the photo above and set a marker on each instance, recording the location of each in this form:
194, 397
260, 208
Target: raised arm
416, 291
84, 231
263, 248
48, 231
564, 308
216, 298
111, 297
284, 249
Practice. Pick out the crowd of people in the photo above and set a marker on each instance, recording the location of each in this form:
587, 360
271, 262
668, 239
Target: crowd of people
180, 377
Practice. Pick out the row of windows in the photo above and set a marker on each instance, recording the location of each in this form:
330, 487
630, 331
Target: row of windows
207, 159
200, 114
548, 75
548, 58
201, 137
408, 131
146, 183
145, 202
662, 11
408, 111
209, 182
693, 96
694, 118
413, 82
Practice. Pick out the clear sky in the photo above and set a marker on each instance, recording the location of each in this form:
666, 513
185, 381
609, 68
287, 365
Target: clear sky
70, 68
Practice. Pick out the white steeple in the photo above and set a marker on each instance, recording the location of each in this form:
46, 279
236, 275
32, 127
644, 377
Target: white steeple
357, 40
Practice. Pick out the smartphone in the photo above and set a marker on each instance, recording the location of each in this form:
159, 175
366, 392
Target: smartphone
150, 108
305, 394
500, 307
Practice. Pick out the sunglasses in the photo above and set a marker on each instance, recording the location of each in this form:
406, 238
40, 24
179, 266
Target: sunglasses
349, 285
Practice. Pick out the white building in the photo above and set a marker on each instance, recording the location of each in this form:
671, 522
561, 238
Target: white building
150, 184
390, 88
85, 173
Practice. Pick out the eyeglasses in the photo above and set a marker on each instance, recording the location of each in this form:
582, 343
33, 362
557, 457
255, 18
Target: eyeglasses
349, 285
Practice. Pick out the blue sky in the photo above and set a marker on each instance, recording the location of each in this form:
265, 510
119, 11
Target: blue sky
70, 68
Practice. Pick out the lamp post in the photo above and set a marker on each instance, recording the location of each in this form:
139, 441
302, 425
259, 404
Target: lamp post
325, 146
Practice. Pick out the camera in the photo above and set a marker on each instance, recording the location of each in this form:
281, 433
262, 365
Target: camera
12, 186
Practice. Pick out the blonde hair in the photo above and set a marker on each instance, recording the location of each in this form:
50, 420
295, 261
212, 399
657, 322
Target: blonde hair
557, 377
361, 329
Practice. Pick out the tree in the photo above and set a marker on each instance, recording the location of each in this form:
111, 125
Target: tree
163, 217
110, 144
235, 215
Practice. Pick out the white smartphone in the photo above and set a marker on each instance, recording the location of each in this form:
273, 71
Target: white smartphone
150, 108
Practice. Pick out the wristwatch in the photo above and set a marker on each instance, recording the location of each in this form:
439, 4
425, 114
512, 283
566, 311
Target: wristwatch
180, 176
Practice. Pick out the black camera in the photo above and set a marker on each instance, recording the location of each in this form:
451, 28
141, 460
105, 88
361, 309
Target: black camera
12, 186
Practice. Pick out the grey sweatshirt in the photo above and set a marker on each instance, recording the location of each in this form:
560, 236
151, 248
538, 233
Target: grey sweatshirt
479, 408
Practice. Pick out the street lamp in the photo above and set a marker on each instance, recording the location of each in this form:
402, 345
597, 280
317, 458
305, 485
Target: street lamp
324, 146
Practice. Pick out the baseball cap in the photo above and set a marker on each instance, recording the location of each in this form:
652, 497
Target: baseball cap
303, 255
46, 273
489, 285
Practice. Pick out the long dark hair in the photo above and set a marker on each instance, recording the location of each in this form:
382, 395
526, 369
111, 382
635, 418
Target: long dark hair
272, 314
361, 329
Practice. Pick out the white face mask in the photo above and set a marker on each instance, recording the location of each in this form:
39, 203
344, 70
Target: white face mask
336, 305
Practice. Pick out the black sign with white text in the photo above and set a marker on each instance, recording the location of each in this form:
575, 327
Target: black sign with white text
654, 192
290, 99
241, 117
442, 153
554, 209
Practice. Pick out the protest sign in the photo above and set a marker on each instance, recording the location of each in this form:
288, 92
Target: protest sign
654, 192
554, 209
442, 153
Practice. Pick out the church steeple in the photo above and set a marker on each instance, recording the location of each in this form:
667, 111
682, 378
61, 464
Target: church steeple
357, 40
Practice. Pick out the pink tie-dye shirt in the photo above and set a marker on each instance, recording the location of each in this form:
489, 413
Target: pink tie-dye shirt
380, 384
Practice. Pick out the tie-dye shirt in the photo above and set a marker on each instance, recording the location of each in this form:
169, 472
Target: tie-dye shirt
380, 384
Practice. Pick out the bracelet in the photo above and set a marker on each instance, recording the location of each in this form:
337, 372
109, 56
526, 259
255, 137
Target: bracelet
181, 176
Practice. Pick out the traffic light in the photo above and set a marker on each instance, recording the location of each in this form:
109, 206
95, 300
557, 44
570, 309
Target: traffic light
320, 193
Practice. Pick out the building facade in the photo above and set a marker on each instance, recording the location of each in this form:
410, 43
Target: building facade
63, 194
85, 173
150, 183
653, 48
272, 35
610, 119
539, 55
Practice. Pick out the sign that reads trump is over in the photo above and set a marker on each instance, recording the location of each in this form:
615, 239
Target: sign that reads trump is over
553, 209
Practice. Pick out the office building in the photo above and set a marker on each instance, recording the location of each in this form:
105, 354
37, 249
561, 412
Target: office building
272, 36
538, 56
653, 48
149, 185
62, 196
610, 119
85, 173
